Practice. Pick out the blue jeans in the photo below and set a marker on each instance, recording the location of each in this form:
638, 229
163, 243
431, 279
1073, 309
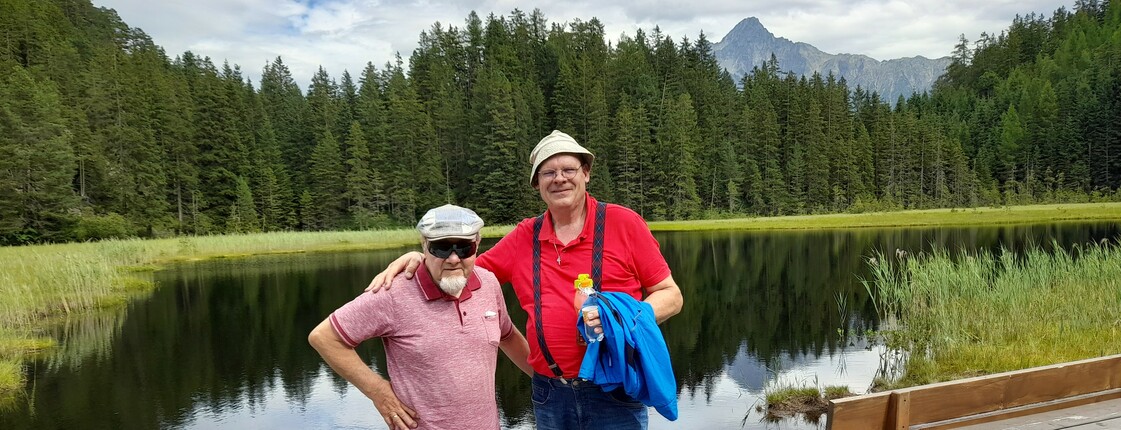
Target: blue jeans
580, 404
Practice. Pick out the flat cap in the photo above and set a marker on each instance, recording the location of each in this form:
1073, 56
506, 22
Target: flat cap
449, 222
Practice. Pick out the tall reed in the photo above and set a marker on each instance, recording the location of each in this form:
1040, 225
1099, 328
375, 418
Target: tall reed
986, 313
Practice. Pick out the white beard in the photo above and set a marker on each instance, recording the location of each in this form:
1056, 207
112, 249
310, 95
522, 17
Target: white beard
453, 284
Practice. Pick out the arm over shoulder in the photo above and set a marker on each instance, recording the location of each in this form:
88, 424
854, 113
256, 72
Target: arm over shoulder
369, 315
497, 259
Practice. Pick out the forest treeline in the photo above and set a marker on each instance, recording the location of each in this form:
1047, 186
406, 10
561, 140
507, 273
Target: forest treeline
102, 134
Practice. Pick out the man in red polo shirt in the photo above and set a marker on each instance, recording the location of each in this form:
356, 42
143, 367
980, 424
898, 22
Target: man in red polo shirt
564, 240
441, 332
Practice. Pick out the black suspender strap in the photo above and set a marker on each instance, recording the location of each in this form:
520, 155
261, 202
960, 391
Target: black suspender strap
597, 275
597, 245
537, 297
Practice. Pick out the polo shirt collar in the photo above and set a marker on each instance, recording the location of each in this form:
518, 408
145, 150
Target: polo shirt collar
432, 291
550, 235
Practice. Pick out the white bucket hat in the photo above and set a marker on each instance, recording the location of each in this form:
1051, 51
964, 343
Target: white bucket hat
555, 143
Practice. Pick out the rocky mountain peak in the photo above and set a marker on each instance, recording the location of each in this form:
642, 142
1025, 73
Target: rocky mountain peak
749, 44
749, 29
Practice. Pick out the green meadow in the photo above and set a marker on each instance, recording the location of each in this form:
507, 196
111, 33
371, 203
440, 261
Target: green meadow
43, 283
913, 218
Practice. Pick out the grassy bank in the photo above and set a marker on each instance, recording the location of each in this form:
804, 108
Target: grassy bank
975, 315
916, 218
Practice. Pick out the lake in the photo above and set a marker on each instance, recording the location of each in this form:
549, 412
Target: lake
222, 343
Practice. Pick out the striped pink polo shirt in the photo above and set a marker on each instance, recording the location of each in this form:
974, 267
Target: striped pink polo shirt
440, 351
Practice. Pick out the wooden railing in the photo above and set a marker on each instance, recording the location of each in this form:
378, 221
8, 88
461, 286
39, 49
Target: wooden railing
981, 399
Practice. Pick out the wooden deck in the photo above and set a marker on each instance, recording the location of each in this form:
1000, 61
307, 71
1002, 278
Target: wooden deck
1081, 395
1101, 415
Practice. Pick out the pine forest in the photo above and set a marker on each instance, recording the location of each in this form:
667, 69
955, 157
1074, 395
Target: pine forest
103, 134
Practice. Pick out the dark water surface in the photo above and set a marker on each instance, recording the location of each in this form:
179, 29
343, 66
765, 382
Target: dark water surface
222, 344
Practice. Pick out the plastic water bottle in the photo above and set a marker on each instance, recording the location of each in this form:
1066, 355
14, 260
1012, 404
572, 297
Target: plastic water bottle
585, 288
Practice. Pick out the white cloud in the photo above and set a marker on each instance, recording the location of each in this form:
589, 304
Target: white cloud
346, 34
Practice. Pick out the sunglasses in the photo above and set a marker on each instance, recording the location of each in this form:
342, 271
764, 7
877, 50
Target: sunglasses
445, 248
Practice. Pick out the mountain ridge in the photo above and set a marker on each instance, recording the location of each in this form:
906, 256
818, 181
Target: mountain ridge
749, 44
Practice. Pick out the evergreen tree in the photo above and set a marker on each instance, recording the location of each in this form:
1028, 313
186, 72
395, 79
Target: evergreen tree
414, 177
765, 134
239, 121
327, 187
270, 180
36, 162
433, 68
1046, 130
347, 102
158, 123
818, 192
180, 157
308, 212
676, 137
844, 181
885, 141
633, 133
1012, 136
323, 104
713, 94
499, 178
794, 142
222, 153
371, 116
747, 150
631, 77
120, 140
243, 216
862, 179
361, 188
287, 109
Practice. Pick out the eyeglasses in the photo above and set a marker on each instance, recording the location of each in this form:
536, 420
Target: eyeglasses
445, 248
567, 173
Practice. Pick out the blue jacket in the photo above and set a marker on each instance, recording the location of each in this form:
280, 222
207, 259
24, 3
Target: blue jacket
632, 355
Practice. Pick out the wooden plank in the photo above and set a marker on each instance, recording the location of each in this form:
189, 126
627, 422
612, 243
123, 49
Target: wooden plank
953, 399
1023, 411
1115, 377
1100, 415
867, 412
1047, 383
899, 410
943, 401
981, 399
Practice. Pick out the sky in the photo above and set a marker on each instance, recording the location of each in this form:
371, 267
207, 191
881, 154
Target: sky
346, 34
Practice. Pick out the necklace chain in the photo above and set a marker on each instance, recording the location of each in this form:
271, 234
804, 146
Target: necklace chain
557, 250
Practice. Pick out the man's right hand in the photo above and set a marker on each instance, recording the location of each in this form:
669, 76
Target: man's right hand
395, 413
407, 263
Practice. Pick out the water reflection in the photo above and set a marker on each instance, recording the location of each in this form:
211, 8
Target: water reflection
222, 344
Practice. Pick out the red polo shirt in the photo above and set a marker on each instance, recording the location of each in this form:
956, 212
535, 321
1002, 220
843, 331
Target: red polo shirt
631, 261
440, 351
